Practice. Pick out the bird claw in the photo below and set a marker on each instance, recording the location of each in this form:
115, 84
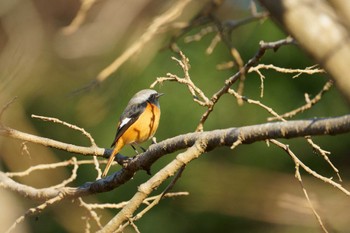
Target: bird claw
143, 149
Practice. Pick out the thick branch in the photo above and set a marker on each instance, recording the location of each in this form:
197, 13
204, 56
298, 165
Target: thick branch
215, 138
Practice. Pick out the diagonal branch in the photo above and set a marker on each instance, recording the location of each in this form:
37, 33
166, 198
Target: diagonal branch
168, 16
146, 188
264, 46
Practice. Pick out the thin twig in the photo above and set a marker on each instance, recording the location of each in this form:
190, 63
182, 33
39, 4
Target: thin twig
35, 210
90, 211
256, 102
97, 168
79, 18
307, 70
134, 226
308, 104
39, 167
230, 81
58, 121
5, 107
168, 16
309, 170
194, 90
146, 201
325, 154
298, 163
298, 176
71, 178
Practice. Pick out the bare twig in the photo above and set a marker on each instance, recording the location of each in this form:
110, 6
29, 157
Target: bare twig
325, 154
24, 149
198, 36
71, 178
34, 211
230, 81
298, 176
215, 41
5, 107
298, 163
146, 201
97, 168
168, 16
41, 167
79, 18
308, 104
134, 226
256, 102
309, 170
308, 70
58, 121
236, 143
259, 67
83, 131
90, 212
194, 90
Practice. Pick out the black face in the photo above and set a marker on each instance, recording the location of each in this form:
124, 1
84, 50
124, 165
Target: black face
154, 98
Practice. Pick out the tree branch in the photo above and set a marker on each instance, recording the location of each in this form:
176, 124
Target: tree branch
146, 188
9, 132
215, 138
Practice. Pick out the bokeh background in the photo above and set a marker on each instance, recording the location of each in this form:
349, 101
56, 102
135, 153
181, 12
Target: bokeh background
249, 189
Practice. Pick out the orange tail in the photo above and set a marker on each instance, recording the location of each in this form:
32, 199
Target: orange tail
116, 150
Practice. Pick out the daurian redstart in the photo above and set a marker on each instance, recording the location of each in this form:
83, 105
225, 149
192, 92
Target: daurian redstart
138, 122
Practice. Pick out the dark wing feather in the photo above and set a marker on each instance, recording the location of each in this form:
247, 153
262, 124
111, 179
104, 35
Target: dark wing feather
133, 112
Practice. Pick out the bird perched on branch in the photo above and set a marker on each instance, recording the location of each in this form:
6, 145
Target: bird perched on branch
138, 122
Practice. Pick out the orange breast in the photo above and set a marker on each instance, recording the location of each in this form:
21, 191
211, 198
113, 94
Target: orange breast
145, 126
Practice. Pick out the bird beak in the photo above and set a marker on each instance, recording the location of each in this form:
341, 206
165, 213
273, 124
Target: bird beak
160, 94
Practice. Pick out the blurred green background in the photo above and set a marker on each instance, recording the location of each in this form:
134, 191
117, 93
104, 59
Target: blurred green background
249, 189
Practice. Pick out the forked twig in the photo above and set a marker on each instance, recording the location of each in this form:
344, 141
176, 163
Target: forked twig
198, 95
298, 163
309, 103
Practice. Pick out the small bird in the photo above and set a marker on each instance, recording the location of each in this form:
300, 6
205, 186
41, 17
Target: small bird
138, 122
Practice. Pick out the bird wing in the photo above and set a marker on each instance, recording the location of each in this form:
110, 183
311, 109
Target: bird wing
129, 116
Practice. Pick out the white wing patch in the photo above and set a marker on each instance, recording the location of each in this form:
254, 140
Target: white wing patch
124, 122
